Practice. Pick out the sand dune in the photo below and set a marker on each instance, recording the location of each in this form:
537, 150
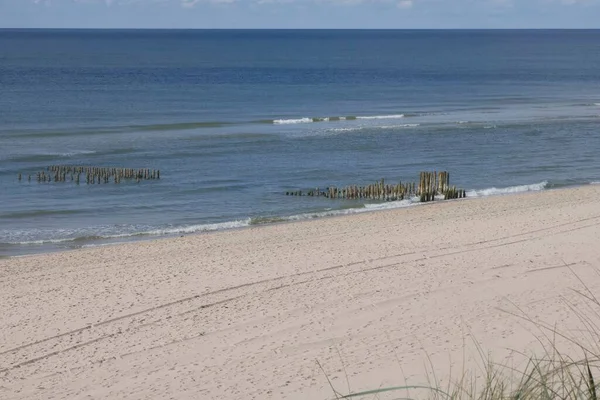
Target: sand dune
245, 314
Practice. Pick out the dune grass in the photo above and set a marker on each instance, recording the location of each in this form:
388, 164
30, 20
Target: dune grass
554, 375
543, 379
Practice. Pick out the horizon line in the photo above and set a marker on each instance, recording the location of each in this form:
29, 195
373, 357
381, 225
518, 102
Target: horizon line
295, 29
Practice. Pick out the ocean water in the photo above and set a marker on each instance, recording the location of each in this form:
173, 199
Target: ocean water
233, 119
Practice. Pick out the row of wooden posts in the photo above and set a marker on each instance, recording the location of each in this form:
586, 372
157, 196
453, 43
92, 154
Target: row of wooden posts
91, 175
431, 184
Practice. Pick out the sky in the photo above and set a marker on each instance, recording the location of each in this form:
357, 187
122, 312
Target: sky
300, 14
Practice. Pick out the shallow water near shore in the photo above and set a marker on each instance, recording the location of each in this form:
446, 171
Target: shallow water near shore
233, 119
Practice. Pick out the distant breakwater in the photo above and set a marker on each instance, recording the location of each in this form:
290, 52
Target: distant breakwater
90, 175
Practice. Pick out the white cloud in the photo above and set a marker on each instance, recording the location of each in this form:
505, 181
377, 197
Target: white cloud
398, 3
274, 1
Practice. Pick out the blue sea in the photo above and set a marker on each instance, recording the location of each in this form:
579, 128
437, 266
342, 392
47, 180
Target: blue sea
234, 119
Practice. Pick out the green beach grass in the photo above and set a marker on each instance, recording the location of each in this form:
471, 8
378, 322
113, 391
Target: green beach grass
553, 375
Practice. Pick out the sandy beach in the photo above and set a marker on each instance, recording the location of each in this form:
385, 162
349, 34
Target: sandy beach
246, 314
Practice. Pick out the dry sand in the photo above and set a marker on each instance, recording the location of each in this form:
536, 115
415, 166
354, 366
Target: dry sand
245, 314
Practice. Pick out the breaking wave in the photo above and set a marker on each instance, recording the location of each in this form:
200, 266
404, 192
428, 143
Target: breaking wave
168, 231
307, 120
507, 190
393, 116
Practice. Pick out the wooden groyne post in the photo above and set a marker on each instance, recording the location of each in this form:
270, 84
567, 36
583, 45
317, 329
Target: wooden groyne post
430, 185
93, 175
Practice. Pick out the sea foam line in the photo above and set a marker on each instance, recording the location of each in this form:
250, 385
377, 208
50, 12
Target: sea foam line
293, 121
307, 120
362, 208
393, 116
507, 190
152, 232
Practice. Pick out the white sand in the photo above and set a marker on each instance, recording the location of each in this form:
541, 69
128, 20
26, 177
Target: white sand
245, 314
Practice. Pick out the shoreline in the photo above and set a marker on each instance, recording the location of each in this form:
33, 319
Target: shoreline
285, 220
141, 237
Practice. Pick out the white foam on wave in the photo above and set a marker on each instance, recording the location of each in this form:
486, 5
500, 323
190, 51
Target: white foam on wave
393, 116
44, 241
345, 129
151, 232
307, 120
397, 126
293, 121
360, 128
197, 228
347, 211
391, 205
76, 153
507, 190
90, 245
595, 183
